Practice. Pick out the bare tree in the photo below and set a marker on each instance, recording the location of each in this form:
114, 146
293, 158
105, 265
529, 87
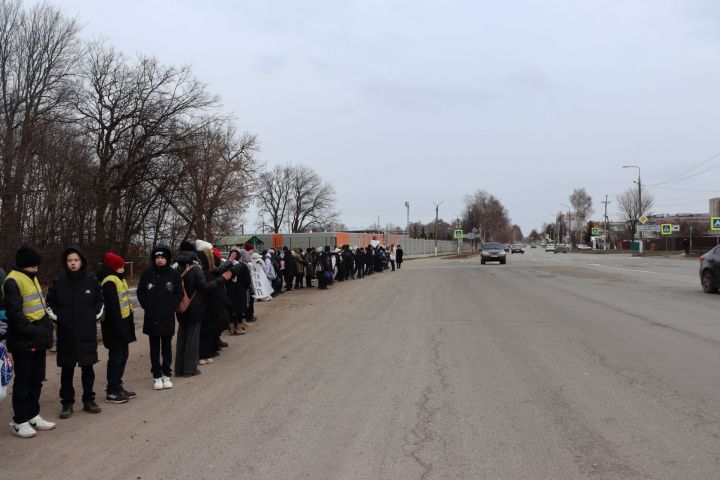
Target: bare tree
217, 174
582, 205
631, 210
273, 194
311, 200
131, 114
38, 50
487, 213
298, 194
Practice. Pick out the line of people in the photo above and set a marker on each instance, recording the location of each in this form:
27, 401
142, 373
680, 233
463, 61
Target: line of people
197, 289
289, 267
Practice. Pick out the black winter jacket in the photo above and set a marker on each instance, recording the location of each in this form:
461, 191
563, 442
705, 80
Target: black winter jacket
237, 288
159, 293
195, 284
76, 299
22, 335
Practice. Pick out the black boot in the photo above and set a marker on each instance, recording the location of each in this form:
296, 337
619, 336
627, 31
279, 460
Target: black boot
67, 410
91, 407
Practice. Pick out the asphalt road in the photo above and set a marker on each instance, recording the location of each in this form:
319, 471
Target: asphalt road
549, 367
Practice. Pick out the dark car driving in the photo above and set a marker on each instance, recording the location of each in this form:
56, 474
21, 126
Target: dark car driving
710, 270
492, 252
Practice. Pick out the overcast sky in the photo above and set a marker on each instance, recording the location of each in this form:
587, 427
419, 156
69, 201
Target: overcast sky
418, 100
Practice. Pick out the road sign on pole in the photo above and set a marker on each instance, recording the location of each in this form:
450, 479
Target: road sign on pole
458, 234
666, 228
643, 219
595, 231
715, 223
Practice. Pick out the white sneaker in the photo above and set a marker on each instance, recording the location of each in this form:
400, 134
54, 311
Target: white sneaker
22, 430
39, 423
166, 383
158, 384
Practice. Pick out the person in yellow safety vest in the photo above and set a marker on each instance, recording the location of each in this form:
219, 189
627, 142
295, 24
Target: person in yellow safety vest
118, 326
28, 338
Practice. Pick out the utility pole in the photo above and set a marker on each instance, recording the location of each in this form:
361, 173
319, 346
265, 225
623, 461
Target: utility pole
437, 205
607, 231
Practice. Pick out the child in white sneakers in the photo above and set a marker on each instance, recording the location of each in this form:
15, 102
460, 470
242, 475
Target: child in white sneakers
160, 292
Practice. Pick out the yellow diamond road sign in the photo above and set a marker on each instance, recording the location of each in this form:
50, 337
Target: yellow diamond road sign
643, 219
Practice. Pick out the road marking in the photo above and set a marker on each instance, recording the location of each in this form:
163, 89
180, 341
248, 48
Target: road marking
624, 268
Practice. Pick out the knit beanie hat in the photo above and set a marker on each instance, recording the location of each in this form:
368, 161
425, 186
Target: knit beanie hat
27, 256
249, 247
113, 261
186, 246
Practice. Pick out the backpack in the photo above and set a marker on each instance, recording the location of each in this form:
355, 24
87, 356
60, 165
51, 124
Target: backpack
186, 301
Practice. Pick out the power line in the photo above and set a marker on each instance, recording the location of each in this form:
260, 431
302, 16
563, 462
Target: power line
685, 175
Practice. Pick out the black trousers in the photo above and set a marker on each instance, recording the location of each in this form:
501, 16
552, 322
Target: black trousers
117, 359
157, 345
392, 262
299, 279
250, 311
67, 391
289, 276
29, 375
399, 262
308, 278
322, 280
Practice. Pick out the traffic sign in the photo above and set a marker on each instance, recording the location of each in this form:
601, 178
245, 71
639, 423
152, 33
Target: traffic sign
648, 228
666, 228
458, 234
715, 223
676, 228
595, 231
643, 219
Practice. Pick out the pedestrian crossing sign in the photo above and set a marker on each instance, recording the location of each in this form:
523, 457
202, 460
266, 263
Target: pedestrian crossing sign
715, 223
666, 228
458, 234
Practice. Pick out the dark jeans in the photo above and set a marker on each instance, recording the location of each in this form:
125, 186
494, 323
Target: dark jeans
117, 359
188, 349
299, 279
399, 262
156, 343
392, 262
308, 279
322, 280
29, 375
67, 391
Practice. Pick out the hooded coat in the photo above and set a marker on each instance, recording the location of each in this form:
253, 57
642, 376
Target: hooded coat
116, 330
76, 299
196, 284
159, 292
240, 283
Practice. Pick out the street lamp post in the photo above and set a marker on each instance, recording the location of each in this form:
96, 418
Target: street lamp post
640, 207
407, 224
437, 205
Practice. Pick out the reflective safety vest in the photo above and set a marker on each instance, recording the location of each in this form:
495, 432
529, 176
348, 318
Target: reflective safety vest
123, 293
33, 306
